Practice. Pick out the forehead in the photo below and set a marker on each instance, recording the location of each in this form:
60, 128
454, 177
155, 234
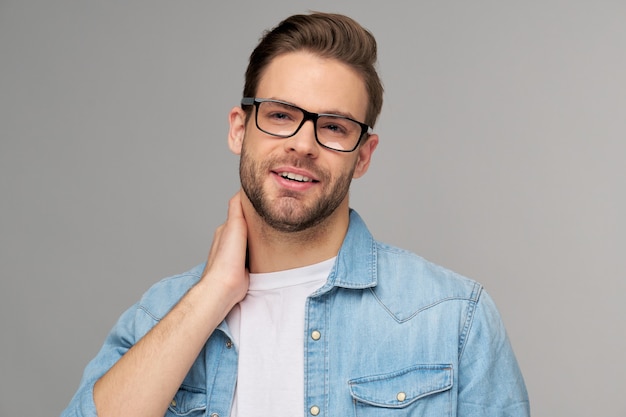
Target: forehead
321, 85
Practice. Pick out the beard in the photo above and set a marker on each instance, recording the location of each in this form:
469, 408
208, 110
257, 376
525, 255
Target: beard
287, 212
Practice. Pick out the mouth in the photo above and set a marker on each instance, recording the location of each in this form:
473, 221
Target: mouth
295, 177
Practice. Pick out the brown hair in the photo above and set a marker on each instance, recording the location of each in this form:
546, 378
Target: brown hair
328, 35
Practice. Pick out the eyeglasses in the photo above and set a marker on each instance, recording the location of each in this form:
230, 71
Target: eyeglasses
284, 120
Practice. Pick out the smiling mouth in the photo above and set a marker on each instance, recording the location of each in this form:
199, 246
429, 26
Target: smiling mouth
295, 177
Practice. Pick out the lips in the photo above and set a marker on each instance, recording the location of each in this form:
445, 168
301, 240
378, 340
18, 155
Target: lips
295, 177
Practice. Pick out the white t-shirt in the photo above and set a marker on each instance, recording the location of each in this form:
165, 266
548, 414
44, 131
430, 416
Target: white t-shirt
268, 332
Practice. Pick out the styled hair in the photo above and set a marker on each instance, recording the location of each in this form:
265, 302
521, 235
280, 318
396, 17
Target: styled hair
329, 36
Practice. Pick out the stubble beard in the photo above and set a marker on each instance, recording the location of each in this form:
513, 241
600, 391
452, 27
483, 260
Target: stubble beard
288, 213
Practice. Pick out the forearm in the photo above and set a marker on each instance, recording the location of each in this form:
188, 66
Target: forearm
146, 378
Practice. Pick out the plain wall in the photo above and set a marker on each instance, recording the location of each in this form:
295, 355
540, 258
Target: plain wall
502, 156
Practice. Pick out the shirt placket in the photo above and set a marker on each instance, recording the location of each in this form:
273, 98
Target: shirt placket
316, 356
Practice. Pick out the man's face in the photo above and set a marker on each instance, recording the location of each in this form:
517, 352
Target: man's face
295, 183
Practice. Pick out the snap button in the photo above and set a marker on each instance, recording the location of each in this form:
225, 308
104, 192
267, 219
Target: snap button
229, 344
315, 410
315, 335
215, 415
401, 396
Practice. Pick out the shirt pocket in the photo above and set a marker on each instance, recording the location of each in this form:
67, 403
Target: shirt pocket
189, 402
421, 390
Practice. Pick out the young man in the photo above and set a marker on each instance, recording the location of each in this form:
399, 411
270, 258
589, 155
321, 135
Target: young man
298, 310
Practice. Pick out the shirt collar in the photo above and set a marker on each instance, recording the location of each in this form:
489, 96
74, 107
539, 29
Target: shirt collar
356, 261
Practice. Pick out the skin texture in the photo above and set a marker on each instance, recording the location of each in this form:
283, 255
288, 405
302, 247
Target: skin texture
146, 378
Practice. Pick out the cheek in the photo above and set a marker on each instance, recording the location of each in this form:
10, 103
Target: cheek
261, 146
353, 168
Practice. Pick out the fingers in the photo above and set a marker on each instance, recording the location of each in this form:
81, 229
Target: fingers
236, 220
216, 238
235, 209
234, 206
230, 238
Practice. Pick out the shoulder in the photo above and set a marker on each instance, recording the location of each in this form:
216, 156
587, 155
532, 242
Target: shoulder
407, 277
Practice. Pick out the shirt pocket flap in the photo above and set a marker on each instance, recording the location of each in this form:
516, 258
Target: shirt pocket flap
400, 388
187, 401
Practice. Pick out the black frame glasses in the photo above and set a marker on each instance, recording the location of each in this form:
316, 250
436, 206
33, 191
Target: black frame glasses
307, 115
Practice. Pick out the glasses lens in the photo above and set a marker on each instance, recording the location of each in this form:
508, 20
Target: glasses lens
278, 119
337, 132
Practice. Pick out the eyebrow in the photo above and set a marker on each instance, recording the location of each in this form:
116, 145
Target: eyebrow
330, 112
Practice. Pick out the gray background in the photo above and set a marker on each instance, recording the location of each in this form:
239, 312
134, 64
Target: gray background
501, 157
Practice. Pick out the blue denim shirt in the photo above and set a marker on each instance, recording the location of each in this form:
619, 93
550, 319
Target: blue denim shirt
389, 334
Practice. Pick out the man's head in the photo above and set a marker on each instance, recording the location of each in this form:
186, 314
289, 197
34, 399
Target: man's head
328, 36
309, 91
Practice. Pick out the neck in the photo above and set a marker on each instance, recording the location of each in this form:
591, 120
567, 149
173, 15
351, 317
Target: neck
270, 250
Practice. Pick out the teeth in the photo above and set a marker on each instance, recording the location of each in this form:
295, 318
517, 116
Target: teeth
295, 177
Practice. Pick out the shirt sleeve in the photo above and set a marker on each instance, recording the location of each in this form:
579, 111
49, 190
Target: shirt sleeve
117, 343
490, 381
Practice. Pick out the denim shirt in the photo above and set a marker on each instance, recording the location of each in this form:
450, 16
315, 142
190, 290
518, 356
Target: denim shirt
389, 334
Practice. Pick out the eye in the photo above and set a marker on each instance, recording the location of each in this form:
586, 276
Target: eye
279, 113
279, 116
335, 126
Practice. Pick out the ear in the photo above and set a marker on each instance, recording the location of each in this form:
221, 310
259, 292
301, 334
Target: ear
364, 157
237, 130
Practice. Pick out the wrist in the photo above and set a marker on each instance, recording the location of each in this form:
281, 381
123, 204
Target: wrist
217, 295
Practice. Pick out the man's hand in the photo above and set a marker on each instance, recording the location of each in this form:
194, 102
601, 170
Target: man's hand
146, 378
225, 270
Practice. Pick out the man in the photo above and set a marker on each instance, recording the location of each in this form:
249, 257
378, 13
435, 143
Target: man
298, 310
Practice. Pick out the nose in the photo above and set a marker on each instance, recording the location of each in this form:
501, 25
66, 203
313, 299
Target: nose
304, 142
